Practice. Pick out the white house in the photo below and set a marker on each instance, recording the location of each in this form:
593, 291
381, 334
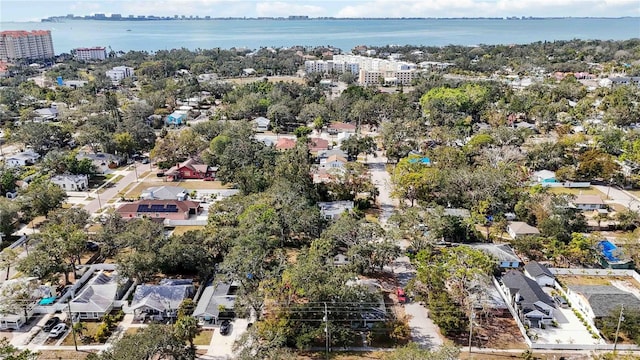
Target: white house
119, 72
540, 273
46, 114
97, 298
332, 210
165, 193
216, 302
518, 229
334, 162
71, 182
589, 202
341, 260
22, 159
261, 124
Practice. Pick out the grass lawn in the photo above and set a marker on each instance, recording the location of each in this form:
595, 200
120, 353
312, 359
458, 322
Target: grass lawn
179, 230
578, 191
91, 331
204, 338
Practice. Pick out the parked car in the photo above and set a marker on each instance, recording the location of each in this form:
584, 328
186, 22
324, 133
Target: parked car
160, 174
91, 246
561, 301
51, 323
58, 330
225, 327
402, 297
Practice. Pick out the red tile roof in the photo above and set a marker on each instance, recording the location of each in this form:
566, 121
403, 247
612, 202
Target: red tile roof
285, 144
317, 144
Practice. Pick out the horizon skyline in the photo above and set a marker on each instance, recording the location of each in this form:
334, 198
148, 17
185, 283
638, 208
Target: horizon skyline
22, 11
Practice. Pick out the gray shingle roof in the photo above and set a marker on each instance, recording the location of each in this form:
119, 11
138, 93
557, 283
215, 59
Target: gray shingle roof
604, 299
529, 290
536, 269
212, 297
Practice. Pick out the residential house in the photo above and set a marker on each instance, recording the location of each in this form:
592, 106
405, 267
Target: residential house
14, 317
544, 176
598, 301
340, 127
215, 303
71, 182
160, 209
540, 273
534, 307
334, 162
159, 302
325, 154
318, 144
103, 162
47, 114
97, 297
371, 313
191, 169
165, 193
518, 229
285, 143
333, 209
118, 73
611, 257
261, 124
341, 259
20, 159
589, 202
177, 118
504, 255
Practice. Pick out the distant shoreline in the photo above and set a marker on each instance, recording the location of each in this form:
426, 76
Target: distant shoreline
115, 17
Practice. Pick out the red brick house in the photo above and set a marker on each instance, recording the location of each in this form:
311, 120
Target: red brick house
160, 209
191, 169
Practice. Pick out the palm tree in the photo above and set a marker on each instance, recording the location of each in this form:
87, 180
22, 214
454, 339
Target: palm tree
8, 257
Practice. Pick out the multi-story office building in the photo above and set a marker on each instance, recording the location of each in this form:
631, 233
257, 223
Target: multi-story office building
94, 53
20, 44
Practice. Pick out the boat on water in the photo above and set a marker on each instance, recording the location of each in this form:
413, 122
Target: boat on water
128, 29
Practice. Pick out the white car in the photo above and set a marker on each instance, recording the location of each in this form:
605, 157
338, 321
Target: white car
58, 330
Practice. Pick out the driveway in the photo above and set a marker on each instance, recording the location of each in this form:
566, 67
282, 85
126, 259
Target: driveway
221, 346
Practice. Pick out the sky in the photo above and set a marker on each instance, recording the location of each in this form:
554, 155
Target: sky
34, 10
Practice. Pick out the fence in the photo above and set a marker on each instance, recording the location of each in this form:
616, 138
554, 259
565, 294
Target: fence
567, 184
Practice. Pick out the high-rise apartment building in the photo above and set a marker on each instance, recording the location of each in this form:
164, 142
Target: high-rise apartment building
94, 53
20, 44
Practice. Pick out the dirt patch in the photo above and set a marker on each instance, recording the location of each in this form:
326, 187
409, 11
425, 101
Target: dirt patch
569, 280
64, 354
495, 333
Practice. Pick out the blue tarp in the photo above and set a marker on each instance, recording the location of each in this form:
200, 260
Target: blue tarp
608, 249
47, 300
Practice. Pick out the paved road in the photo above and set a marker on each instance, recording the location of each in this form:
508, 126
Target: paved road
382, 180
423, 330
130, 176
619, 196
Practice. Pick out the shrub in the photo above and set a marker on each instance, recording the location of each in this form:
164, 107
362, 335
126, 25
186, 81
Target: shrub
102, 333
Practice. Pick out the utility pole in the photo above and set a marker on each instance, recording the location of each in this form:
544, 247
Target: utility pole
620, 318
326, 330
471, 316
73, 329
